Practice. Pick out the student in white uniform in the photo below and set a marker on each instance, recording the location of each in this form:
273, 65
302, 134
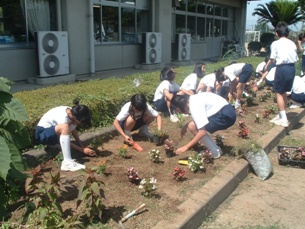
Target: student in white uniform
210, 112
211, 82
134, 115
239, 74
297, 93
260, 69
55, 127
191, 81
284, 54
268, 77
165, 91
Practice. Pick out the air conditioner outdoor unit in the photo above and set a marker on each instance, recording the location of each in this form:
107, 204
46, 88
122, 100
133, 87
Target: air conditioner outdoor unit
52, 53
152, 42
184, 46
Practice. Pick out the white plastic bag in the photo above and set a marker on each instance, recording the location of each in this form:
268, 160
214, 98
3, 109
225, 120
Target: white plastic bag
260, 163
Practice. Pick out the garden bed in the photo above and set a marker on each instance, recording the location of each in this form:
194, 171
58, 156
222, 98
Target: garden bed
122, 195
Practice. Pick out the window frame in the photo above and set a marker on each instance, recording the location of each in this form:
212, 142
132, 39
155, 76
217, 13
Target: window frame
121, 5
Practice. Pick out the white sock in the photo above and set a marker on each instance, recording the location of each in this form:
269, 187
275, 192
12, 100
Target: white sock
283, 115
127, 132
237, 102
65, 147
209, 143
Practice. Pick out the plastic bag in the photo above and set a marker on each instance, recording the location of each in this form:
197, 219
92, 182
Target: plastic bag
260, 163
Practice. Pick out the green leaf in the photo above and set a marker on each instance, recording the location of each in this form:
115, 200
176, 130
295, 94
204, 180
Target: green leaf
5, 84
16, 157
15, 132
95, 188
5, 158
11, 108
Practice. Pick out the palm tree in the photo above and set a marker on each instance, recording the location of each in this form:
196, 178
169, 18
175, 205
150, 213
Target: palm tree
279, 10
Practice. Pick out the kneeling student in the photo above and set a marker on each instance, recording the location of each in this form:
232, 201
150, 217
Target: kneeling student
210, 112
134, 115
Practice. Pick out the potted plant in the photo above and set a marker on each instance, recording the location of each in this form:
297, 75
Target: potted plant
159, 137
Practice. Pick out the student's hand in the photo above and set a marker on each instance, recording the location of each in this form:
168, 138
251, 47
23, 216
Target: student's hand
89, 152
182, 149
128, 139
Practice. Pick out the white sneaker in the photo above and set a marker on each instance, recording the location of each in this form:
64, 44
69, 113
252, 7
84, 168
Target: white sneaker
295, 104
71, 166
292, 106
276, 118
283, 123
174, 118
145, 132
245, 94
217, 154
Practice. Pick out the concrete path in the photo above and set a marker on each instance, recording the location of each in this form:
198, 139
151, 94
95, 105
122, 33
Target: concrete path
278, 202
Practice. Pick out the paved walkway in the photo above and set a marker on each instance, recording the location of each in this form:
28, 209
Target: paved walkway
118, 73
275, 203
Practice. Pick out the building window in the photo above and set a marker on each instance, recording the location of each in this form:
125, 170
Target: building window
200, 19
119, 22
41, 16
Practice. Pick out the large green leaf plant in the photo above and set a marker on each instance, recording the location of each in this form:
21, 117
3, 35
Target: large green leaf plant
13, 138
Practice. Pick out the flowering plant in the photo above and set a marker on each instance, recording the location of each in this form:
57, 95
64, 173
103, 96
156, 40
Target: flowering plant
149, 186
207, 156
195, 164
244, 131
101, 167
123, 151
168, 145
133, 175
155, 155
178, 174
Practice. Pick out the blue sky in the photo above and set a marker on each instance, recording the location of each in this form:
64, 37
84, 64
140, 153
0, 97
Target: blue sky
251, 20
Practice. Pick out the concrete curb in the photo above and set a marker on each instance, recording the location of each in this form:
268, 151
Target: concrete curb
207, 199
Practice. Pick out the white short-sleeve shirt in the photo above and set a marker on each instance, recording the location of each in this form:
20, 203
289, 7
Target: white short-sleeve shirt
124, 113
165, 84
190, 82
271, 74
298, 86
209, 80
260, 67
284, 51
204, 105
233, 70
56, 116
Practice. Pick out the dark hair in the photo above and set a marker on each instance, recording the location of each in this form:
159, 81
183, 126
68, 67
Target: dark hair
301, 36
219, 74
267, 58
167, 73
82, 113
139, 102
179, 102
198, 69
282, 29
